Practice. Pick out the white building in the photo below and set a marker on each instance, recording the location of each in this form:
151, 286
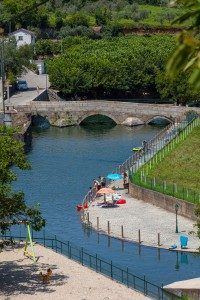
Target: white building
24, 37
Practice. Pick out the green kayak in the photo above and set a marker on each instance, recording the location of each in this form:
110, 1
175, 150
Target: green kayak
137, 149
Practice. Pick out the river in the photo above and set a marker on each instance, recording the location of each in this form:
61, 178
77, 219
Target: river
64, 163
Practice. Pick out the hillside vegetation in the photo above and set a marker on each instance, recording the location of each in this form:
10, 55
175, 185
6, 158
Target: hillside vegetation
60, 18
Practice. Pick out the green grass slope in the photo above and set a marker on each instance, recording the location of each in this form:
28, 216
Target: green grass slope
182, 165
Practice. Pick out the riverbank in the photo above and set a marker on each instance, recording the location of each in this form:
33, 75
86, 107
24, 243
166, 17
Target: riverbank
137, 215
20, 278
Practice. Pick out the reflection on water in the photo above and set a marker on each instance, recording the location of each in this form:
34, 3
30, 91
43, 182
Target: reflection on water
64, 163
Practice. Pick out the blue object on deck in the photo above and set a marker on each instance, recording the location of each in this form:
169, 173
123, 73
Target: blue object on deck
114, 176
183, 241
173, 247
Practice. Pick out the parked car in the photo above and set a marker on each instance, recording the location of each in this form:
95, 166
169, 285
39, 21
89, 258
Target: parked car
22, 85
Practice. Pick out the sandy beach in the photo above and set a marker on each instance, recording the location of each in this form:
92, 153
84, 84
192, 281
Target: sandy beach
151, 220
20, 279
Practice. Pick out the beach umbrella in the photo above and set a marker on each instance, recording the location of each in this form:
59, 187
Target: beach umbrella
114, 176
106, 191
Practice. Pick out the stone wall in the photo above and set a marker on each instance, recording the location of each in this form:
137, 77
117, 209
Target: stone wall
161, 200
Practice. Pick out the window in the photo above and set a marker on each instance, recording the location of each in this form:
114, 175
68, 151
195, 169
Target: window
20, 37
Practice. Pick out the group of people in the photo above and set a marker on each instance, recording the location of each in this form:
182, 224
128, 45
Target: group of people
100, 183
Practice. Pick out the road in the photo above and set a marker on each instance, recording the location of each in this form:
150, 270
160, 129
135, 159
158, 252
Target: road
36, 84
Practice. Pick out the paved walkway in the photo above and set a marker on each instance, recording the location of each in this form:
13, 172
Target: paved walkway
20, 279
151, 220
36, 84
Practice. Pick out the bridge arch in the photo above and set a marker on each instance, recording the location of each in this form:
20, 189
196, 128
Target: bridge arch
94, 114
160, 120
40, 120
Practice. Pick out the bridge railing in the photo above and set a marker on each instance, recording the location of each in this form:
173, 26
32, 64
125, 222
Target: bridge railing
89, 197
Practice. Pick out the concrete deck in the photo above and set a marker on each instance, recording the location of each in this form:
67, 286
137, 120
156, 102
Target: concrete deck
151, 220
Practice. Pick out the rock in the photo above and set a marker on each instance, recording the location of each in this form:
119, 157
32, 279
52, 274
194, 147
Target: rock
132, 121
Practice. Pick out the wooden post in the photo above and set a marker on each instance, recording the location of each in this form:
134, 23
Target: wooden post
122, 231
98, 223
139, 236
108, 227
158, 239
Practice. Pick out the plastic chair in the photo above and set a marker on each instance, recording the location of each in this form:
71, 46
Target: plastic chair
183, 241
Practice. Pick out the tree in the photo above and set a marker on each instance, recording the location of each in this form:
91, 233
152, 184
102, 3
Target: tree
187, 54
13, 208
15, 59
178, 89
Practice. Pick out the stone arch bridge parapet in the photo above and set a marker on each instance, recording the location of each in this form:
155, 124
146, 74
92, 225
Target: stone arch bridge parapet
66, 113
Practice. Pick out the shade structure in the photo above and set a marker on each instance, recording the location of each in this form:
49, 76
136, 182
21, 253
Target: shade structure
114, 176
106, 191
189, 284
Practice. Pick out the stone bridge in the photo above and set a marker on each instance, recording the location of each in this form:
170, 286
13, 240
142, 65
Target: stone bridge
66, 113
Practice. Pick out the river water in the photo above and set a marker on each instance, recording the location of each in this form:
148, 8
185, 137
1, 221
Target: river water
64, 163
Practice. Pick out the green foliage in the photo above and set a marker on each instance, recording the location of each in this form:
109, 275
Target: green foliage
102, 16
77, 19
118, 66
13, 208
75, 31
125, 64
177, 89
16, 60
187, 54
47, 47
51, 18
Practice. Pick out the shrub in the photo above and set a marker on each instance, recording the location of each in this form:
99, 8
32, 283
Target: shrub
77, 19
102, 16
47, 47
75, 31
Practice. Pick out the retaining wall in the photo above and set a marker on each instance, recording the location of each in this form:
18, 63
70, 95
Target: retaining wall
167, 202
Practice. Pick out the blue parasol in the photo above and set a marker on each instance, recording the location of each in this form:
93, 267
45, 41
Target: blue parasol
114, 176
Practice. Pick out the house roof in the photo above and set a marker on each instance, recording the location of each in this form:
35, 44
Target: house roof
23, 30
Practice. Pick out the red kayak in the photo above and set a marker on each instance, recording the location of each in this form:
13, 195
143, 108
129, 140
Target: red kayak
80, 207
